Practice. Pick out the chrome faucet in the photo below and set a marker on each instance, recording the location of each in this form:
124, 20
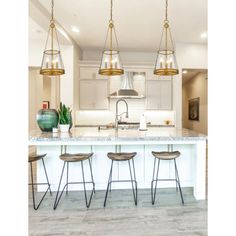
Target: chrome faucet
117, 115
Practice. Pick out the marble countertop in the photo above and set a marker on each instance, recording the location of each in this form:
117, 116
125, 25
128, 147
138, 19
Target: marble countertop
92, 134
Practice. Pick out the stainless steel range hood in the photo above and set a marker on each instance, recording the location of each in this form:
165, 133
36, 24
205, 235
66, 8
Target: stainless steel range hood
127, 88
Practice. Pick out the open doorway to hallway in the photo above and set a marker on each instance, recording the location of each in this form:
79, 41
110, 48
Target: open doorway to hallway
194, 100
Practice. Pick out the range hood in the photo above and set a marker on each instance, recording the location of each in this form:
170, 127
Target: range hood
127, 88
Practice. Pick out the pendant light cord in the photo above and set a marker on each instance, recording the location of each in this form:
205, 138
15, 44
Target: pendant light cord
166, 10
111, 16
52, 15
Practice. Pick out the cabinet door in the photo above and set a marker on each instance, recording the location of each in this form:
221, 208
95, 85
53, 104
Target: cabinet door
86, 94
93, 94
88, 73
101, 94
166, 95
159, 95
153, 95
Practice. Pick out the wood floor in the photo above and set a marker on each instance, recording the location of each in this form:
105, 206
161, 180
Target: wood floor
168, 217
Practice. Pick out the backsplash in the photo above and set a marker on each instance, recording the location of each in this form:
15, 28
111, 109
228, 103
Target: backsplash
136, 109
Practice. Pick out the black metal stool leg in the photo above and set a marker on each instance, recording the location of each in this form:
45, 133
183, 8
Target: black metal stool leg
91, 172
135, 181
154, 197
67, 176
32, 183
176, 181
47, 177
109, 179
110, 183
154, 168
57, 199
180, 190
131, 177
33, 193
85, 194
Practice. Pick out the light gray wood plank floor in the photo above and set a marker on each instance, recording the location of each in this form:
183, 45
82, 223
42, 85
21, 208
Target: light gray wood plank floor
168, 217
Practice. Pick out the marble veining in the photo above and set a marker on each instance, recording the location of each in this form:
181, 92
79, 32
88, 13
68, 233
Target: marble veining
86, 134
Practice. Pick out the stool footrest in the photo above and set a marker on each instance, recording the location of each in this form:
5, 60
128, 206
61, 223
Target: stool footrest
117, 181
38, 184
165, 180
88, 182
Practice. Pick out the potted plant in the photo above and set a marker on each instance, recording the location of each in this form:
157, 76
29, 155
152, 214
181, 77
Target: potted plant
65, 118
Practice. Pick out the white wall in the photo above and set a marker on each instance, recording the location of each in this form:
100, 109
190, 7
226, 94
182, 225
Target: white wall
35, 84
67, 91
188, 56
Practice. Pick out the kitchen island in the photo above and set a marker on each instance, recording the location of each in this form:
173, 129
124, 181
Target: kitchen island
191, 163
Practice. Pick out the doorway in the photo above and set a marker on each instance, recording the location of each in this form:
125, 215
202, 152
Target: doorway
194, 100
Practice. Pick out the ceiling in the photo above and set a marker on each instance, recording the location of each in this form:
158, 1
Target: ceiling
191, 73
36, 31
138, 22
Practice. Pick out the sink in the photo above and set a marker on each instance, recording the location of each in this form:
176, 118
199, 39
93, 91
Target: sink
122, 125
127, 123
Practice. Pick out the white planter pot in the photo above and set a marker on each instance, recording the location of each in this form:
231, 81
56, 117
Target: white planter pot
64, 128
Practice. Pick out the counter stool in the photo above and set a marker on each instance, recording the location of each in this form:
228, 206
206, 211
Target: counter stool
68, 158
31, 159
165, 156
122, 156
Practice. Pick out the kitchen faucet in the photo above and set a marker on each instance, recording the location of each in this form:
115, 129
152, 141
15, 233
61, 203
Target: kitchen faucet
117, 115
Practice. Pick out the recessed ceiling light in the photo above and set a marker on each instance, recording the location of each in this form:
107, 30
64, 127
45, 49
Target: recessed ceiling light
185, 71
75, 29
204, 35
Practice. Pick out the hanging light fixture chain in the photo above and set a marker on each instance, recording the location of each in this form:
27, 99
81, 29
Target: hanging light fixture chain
52, 14
166, 10
111, 17
52, 25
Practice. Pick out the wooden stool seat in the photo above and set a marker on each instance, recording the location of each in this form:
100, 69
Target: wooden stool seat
36, 157
75, 157
166, 155
122, 156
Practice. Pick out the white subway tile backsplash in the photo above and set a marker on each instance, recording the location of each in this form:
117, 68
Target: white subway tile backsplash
136, 109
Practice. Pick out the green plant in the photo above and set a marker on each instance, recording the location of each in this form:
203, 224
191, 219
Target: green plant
64, 115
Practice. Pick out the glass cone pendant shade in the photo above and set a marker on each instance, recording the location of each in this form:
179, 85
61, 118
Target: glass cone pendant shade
166, 64
111, 62
52, 64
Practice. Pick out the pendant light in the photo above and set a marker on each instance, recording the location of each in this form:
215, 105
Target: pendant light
111, 63
52, 64
166, 64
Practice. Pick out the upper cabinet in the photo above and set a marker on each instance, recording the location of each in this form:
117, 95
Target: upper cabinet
93, 90
93, 95
90, 73
159, 95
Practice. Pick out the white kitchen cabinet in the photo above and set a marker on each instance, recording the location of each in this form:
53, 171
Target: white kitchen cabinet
152, 76
93, 94
159, 95
90, 73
